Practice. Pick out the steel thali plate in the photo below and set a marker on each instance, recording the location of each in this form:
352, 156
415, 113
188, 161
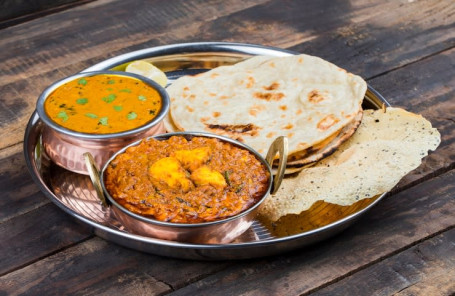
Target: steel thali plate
75, 194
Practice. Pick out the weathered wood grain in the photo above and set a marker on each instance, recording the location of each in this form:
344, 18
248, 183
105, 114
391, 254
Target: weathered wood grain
425, 269
19, 194
96, 267
395, 225
37, 234
13, 12
378, 36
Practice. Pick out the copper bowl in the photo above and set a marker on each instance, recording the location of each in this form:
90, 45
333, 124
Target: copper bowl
66, 147
215, 232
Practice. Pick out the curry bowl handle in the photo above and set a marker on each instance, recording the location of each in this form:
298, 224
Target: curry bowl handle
279, 145
94, 173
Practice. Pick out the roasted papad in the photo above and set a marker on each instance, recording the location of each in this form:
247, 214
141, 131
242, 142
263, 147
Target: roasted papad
302, 97
385, 147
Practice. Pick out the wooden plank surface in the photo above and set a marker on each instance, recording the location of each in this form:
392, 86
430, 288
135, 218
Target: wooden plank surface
13, 12
425, 269
40, 233
408, 54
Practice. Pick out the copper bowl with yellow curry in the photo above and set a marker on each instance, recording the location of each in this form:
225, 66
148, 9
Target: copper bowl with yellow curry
189, 187
99, 112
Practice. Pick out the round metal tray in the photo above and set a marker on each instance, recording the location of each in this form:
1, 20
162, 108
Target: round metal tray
75, 194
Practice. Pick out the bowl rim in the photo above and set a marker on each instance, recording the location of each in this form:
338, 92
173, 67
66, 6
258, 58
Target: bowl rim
165, 104
113, 202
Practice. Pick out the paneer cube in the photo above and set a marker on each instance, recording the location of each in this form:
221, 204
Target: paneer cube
207, 176
169, 172
194, 158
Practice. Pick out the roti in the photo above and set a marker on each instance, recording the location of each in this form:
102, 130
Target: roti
302, 97
385, 148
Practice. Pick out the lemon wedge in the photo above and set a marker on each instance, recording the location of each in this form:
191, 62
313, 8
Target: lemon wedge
148, 70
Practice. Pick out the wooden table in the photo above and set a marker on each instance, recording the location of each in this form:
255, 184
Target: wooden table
404, 246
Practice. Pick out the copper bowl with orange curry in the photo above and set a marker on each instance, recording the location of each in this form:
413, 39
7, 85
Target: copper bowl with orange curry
99, 112
188, 187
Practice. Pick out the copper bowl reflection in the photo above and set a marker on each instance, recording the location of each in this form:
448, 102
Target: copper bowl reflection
215, 232
66, 147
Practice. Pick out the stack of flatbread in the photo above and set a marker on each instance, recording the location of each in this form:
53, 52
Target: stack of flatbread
312, 102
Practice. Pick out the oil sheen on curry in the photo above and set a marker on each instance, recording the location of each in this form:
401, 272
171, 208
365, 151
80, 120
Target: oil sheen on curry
103, 104
186, 181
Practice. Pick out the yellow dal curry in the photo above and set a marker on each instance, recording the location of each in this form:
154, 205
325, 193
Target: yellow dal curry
181, 181
103, 104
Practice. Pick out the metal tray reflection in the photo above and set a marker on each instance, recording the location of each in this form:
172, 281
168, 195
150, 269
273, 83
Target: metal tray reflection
75, 194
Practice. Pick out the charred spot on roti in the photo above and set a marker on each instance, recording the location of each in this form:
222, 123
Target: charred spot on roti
214, 75
250, 82
270, 135
240, 139
255, 109
189, 109
283, 107
269, 96
298, 112
288, 126
249, 129
327, 122
216, 114
272, 86
315, 97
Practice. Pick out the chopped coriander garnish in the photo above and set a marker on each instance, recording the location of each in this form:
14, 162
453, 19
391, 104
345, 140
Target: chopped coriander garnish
131, 115
110, 98
62, 115
111, 82
82, 101
118, 108
91, 115
82, 81
142, 98
127, 90
103, 121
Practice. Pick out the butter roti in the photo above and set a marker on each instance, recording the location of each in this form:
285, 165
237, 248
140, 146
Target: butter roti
301, 97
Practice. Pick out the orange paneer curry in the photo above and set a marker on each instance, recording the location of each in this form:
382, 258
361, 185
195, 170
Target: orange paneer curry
186, 181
